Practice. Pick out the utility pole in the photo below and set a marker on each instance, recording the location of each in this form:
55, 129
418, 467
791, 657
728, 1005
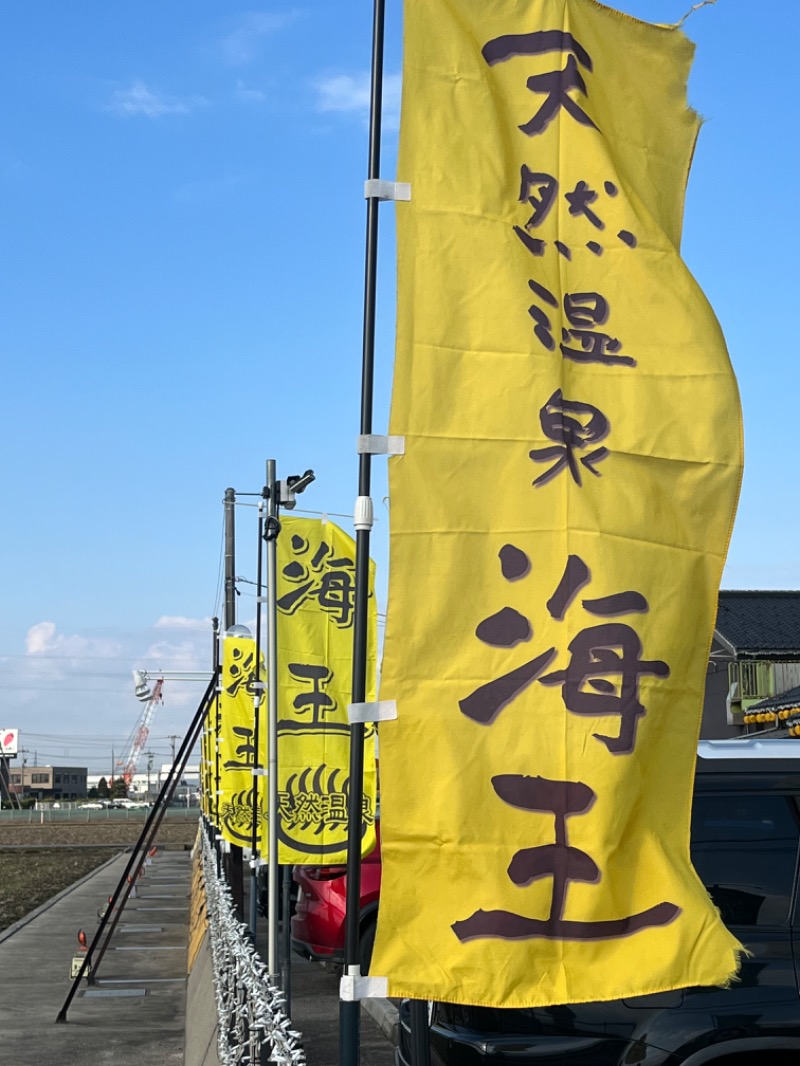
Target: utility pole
229, 617
149, 755
172, 738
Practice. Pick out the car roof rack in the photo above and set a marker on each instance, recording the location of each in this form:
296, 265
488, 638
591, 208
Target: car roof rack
749, 748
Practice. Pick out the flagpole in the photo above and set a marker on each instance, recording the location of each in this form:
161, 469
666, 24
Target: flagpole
235, 869
350, 1010
271, 530
258, 699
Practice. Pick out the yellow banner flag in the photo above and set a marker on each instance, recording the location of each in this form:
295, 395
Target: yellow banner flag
237, 748
316, 584
208, 761
560, 516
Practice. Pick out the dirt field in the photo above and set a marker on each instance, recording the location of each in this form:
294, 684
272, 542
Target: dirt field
38, 861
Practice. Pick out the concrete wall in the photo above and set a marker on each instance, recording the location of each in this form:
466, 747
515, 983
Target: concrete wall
201, 1012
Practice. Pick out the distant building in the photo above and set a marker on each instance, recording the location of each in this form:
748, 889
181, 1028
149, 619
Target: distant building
755, 656
48, 782
148, 786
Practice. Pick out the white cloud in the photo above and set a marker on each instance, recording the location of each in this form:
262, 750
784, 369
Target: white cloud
168, 621
141, 100
249, 95
187, 654
350, 94
343, 92
44, 639
241, 45
72, 694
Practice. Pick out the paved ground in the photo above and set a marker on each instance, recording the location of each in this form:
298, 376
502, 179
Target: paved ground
315, 1012
135, 1013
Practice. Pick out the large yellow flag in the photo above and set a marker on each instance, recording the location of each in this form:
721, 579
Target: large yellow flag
560, 516
316, 585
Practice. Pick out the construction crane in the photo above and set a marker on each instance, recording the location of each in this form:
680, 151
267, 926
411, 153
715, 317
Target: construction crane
141, 733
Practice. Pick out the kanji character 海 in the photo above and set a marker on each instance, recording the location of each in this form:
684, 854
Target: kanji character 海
606, 658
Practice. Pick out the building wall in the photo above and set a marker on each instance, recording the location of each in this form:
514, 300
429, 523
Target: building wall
714, 724
49, 782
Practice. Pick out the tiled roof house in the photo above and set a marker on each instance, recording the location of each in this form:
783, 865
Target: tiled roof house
755, 656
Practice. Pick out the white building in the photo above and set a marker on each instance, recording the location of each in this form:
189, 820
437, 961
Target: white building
188, 785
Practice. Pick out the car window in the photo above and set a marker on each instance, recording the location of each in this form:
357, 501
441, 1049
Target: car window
744, 849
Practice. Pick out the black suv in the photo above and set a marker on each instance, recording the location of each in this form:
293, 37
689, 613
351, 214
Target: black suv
745, 837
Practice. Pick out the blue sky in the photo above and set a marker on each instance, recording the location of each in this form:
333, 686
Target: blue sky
182, 274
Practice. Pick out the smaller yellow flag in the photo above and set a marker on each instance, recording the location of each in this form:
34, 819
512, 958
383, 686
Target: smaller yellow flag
316, 599
237, 801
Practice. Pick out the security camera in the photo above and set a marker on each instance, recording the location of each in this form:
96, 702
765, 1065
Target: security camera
294, 484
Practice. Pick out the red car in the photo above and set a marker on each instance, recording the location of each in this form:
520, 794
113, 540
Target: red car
318, 922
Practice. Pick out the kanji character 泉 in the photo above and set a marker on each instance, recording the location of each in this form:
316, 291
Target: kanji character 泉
575, 426
555, 85
560, 861
606, 657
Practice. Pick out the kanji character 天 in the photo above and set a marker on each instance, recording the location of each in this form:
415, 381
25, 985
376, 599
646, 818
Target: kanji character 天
555, 85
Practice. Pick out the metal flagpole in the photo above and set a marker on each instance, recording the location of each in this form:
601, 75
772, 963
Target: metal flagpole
350, 1010
258, 699
217, 835
235, 869
271, 536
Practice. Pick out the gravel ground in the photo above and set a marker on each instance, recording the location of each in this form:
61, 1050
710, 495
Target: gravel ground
38, 861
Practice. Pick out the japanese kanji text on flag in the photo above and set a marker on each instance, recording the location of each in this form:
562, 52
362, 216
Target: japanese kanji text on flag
560, 516
315, 601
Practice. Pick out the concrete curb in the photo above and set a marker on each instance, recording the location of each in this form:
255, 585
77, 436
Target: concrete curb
15, 928
386, 1016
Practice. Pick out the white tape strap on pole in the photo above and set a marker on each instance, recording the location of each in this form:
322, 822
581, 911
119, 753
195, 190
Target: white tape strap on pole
355, 988
378, 189
379, 444
377, 711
